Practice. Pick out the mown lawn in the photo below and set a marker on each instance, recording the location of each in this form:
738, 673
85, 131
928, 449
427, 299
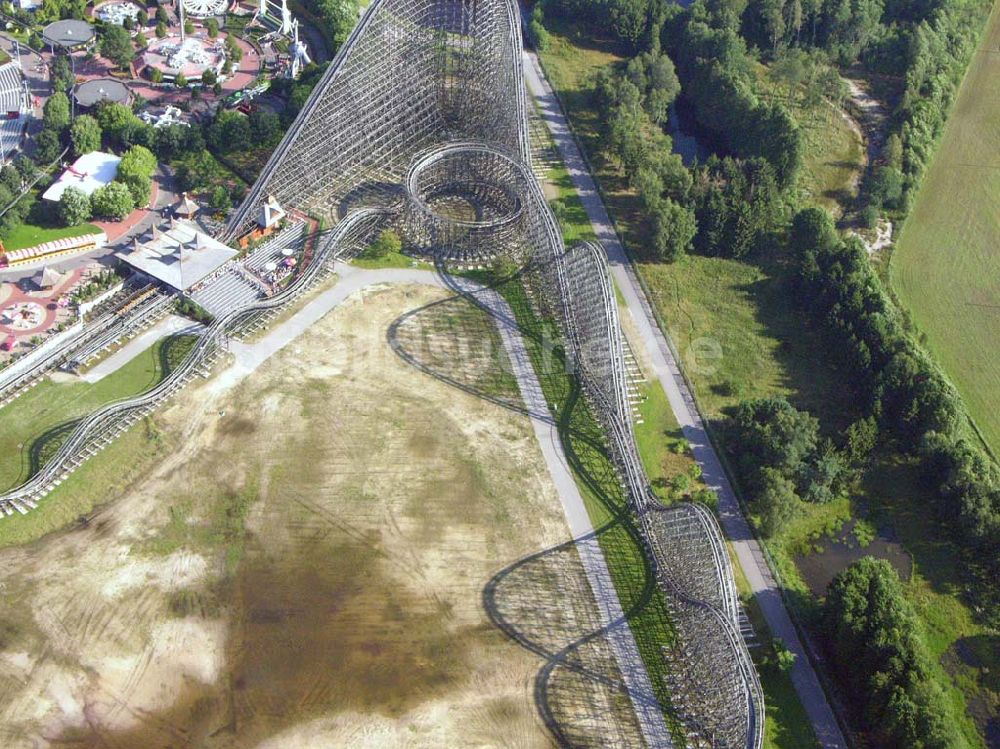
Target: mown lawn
35, 424
945, 268
28, 235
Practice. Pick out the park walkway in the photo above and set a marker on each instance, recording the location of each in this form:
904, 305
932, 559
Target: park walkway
748, 552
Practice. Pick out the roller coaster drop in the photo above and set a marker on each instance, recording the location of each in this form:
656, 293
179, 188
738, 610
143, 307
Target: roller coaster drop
420, 124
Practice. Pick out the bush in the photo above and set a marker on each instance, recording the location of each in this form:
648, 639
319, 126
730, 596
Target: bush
113, 201
388, 243
220, 200
85, 133
161, 28
180, 80
74, 206
882, 661
212, 27
55, 113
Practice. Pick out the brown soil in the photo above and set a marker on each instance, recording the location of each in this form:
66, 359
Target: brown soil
307, 571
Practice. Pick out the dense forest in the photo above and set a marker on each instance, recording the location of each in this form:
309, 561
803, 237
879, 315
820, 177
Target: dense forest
741, 202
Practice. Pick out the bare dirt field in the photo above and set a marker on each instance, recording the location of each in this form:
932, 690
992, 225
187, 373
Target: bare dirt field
313, 566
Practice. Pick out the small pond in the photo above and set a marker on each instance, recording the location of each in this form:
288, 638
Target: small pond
839, 552
686, 143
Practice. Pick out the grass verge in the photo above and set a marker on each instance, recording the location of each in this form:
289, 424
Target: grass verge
34, 425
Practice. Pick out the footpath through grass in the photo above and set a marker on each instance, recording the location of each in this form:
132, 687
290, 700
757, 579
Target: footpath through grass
945, 268
34, 425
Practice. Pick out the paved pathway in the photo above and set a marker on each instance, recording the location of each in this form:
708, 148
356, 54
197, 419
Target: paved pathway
167, 326
747, 549
249, 356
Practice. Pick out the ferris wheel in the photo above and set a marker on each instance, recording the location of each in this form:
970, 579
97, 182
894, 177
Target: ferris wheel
205, 8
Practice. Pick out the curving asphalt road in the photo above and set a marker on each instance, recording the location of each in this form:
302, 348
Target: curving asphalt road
748, 551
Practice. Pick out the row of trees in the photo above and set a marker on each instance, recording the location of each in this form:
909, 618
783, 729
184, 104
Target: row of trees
882, 660
634, 104
905, 392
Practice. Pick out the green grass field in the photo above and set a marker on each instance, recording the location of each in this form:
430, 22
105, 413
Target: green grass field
33, 425
833, 153
28, 235
945, 268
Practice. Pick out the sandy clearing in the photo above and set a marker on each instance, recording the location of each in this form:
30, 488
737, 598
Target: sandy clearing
383, 502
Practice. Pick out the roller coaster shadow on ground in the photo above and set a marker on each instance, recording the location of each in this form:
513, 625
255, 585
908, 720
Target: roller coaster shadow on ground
543, 601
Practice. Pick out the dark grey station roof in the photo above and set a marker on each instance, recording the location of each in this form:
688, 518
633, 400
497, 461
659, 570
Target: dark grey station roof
68, 33
88, 93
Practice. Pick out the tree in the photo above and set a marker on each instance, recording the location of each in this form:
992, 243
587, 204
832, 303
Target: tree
234, 52
142, 18
47, 146
208, 78
181, 80
85, 133
220, 199
155, 75
162, 16
212, 27
674, 227
26, 168
879, 656
229, 132
161, 27
55, 113
775, 504
113, 201
628, 19
265, 126
137, 162
388, 243
10, 178
188, 26
116, 45
62, 74
886, 186
135, 170
140, 188
74, 206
